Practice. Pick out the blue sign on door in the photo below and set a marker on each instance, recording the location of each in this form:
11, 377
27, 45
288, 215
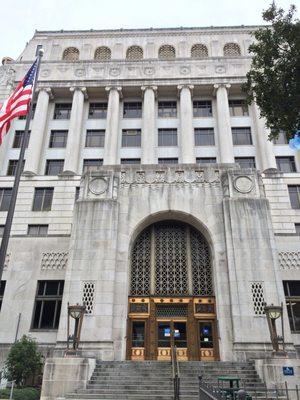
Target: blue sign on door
288, 370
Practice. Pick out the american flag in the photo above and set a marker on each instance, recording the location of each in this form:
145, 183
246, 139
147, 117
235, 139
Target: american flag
18, 102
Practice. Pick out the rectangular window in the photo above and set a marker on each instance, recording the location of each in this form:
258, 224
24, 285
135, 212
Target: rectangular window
54, 167
33, 112
245, 162
62, 111
167, 137
42, 199
130, 160
38, 48
94, 138
131, 138
138, 334
58, 139
238, 108
77, 192
294, 192
241, 136
132, 109
47, 305
18, 139
204, 137
286, 164
202, 109
206, 160
98, 111
167, 109
297, 228
292, 296
5, 196
91, 164
2, 289
168, 161
282, 138
12, 167
37, 230
1, 230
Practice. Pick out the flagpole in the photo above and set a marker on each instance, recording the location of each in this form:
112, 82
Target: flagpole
12, 204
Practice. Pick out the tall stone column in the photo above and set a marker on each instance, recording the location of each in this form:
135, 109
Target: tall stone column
34, 151
148, 126
111, 146
224, 126
264, 148
187, 142
75, 130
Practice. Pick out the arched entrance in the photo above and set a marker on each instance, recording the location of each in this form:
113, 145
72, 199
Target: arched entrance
171, 299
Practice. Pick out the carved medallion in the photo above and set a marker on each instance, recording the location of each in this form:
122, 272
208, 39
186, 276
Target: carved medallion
243, 184
98, 186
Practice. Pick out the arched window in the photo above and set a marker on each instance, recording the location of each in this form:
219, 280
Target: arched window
231, 50
166, 52
199, 51
134, 53
71, 54
102, 53
171, 258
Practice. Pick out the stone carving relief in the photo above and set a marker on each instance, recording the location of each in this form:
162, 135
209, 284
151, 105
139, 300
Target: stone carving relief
289, 260
114, 71
99, 185
220, 69
54, 260
7, 260
185, 70
242, 183
7, 76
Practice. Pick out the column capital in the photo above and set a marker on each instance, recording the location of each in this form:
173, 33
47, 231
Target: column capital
117, 88
81, 89
47, 90
154, 88
187, 86
227, 86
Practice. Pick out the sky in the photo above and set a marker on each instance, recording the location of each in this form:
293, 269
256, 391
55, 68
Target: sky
20, 18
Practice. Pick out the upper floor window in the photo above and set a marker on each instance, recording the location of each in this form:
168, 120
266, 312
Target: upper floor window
1, 230
199, 51
58, 139
2, 289
241, 136
132, 109
238, 108
95, 138
134, 53
102, 53
5, 196
42, 199
98, 110
292, 296
37, 230
91, 164
245, 162
204, 137
71, 54
77, 192
286, 164
206, 160
32, 115
167, 109
54, 167
167, 137
297, 228
202, 108
37, 49
130, 161
18, 139
231, 50
12, 167
282, 138
62, 111
166, 52
168, 160
47, 305
131, 138
294, 192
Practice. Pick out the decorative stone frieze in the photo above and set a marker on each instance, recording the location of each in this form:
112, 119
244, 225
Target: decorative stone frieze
289, 260
99, 185
54, 260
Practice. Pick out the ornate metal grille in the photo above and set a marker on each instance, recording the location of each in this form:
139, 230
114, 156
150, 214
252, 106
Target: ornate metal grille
199, 51
171, 310
166, 52
134, 53
201, 265
71, 54
232, 49
141, 265
88, 296
258, 298
102, 53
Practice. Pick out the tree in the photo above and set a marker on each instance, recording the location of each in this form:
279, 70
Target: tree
24, 361
274, 77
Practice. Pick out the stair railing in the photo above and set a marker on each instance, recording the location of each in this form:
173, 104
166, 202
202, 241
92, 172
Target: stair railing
175, 372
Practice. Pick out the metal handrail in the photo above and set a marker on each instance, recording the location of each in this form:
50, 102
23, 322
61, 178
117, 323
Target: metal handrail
175, 372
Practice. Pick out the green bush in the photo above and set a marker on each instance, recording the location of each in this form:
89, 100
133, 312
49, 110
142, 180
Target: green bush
21, 394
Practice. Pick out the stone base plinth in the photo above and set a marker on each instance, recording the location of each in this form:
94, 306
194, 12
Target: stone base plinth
270, 371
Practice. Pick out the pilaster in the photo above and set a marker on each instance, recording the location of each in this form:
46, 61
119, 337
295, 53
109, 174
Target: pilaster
149, 142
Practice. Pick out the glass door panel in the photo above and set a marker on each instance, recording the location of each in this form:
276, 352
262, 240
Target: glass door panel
179, 334
164, 334
138, 334
206, 335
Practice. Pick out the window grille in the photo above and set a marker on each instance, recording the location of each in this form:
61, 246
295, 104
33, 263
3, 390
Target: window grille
168, 160
167, 137
131, 138
238, 108
12, 167
258, 298
71, 54
199, 51
102, 53
5, 196
134, 53
132, 109
92, 164
130, 161
62, 111
204, 137
171, 310
58, 139
166, 52
98, 111
241, 136
141, 264
18, 139
2, 289
286, 164
95, 138
88, 296
54, 167
202, 108
206, 160
42, 199
167, 109
245, 162
231, 50
201, 264
294, 192
292, 294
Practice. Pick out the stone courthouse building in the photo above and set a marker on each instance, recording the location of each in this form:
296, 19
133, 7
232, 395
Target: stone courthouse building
151, 194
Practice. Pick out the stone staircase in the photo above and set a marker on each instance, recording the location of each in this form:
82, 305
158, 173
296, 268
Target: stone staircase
152, 380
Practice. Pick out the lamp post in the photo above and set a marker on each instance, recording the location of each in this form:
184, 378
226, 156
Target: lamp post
76, 312
273, 313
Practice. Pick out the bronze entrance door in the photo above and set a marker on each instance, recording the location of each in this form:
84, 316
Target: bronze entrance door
171, 333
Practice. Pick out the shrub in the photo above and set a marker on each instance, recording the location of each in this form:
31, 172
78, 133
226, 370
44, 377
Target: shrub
21, 394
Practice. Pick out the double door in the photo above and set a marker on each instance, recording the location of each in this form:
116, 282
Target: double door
172, 333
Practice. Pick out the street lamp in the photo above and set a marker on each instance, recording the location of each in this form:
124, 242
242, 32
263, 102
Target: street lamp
273, 313
76, 312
